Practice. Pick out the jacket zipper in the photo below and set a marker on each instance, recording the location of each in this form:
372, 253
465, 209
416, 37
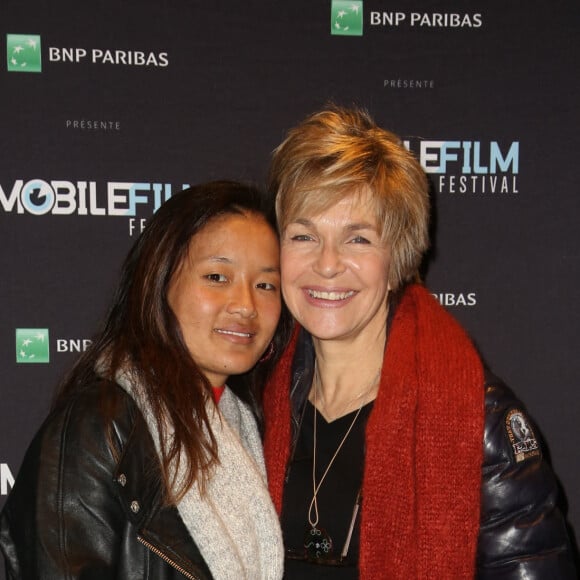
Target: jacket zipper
166, 558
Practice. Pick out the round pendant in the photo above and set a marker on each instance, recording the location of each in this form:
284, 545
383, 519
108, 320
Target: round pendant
317, 543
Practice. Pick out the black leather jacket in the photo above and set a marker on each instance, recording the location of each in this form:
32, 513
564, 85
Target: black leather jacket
77, 510
522, 533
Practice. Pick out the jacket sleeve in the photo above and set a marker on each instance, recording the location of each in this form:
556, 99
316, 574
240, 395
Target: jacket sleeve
61, 519
523, 534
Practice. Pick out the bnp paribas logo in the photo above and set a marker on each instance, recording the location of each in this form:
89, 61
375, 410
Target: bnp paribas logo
346, 18
32, 345
23, 53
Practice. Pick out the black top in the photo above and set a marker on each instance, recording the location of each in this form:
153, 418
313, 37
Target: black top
336, 497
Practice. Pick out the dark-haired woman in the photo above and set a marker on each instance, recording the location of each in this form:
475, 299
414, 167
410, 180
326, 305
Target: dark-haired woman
149, 466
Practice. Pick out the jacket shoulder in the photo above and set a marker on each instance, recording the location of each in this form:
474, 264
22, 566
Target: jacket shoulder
510, 434
67, 477
522, 533
77, 430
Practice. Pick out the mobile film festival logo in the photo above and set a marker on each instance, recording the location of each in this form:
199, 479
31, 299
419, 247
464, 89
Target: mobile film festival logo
346, 18
23, 53
32, 345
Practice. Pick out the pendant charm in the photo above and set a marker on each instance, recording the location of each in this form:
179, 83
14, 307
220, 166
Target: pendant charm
317, 543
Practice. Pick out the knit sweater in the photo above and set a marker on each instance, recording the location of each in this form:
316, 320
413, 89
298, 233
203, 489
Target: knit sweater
423, 447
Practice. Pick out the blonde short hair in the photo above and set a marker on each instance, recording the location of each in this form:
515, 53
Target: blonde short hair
337, 152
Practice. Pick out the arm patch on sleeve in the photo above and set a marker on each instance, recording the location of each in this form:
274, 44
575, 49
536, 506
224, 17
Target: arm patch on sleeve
521, 436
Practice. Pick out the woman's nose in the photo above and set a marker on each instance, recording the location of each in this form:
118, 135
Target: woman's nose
243, 302
329, 261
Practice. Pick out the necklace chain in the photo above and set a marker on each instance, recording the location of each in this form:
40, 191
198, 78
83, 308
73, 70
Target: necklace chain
348, 403
313, 521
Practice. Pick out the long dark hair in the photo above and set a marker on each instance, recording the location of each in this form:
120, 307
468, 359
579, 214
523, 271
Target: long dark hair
142, 333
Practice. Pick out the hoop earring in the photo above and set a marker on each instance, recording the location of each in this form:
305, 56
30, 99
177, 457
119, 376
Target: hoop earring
268, 354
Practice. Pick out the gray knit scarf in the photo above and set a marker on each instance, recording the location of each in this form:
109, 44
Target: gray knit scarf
234, 523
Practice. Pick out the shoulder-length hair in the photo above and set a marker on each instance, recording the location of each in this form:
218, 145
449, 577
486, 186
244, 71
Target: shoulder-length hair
339, 152
142, 334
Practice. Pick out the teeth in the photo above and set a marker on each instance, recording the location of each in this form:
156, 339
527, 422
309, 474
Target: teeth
330, 295
242, 334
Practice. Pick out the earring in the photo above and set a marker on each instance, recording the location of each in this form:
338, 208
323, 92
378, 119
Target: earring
269, 352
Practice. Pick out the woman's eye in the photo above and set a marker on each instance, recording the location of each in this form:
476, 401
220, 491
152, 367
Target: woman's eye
359, 240
301, 238
266, 286
216, 278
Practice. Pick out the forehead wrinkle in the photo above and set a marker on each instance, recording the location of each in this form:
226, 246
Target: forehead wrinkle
302, 222
360, 226
351, 227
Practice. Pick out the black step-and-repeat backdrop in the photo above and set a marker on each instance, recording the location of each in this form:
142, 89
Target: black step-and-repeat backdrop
108, 108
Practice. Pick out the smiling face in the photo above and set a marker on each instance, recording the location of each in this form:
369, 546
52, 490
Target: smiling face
226, 294
335, 270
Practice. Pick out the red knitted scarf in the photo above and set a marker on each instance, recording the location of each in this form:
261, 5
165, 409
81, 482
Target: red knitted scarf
422, 476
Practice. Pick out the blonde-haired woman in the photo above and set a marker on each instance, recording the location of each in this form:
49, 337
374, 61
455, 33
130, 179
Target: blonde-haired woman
391, 450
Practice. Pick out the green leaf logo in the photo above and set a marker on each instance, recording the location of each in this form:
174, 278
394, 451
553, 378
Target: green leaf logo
23, 53
346, 18
32, 345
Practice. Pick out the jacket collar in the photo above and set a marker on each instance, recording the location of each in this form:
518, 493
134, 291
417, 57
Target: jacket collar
140, 487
